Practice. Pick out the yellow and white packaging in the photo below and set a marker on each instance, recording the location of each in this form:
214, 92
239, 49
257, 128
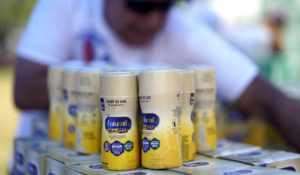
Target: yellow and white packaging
90, 168
159, 96
56, 162
36, 158
205, 97
70, 96
258, 171
95, 168
226, 147
40, 126
143, 171
56, 109
20, 146
186, 130
208, 166
88, 122
119, 106
269, 158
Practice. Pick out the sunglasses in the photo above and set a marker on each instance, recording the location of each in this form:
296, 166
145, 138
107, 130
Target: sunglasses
146, 6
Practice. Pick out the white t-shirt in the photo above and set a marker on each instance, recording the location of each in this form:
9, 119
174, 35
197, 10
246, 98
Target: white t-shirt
73, 29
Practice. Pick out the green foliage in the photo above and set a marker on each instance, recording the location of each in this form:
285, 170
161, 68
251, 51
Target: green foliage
13, 13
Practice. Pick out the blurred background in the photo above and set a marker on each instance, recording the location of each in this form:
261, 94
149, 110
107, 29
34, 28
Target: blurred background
265, 30
13, 18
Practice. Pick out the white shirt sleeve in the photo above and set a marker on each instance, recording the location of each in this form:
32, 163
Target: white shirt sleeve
46, 39
234, 70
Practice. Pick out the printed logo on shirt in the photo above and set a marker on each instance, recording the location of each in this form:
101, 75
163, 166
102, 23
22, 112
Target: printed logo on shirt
91, 46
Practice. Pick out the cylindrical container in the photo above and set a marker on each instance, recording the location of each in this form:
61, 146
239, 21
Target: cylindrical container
70, 96
204, 110
160, 104
56, 102
186, 131
137, 70
88, 123
119, 107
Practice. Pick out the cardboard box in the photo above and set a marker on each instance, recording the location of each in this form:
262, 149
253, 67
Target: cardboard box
95, 168
21, 147
226, 147
56, 162
36, 153
209, 166
269, 158
259, 171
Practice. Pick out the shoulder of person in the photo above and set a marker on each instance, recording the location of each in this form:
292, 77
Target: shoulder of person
184, 28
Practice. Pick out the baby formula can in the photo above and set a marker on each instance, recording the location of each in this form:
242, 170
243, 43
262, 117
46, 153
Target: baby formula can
56, 111
159, 96
187, 132
88, 123
70, 96
205, 97
119, 107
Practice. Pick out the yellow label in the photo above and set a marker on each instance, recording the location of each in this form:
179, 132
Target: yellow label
120, 145
88, 129
188, 143
205, 129
187, 132
56, 120
70, 119
160, 136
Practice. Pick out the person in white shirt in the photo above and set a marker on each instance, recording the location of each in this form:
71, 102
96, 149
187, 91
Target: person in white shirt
126, 32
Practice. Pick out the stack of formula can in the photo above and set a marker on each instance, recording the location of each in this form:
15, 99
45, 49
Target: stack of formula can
104, 119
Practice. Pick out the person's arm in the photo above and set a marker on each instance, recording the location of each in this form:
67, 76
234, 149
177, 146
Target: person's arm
265, 100
46, 41
30, 89
239, 82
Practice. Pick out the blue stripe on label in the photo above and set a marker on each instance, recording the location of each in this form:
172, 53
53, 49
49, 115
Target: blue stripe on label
31, 168
289, 169
96, 166
19, 158
250, 154
192, 99
195, 164
102, 104
238, 172
73, 110
65, 93
50, 173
